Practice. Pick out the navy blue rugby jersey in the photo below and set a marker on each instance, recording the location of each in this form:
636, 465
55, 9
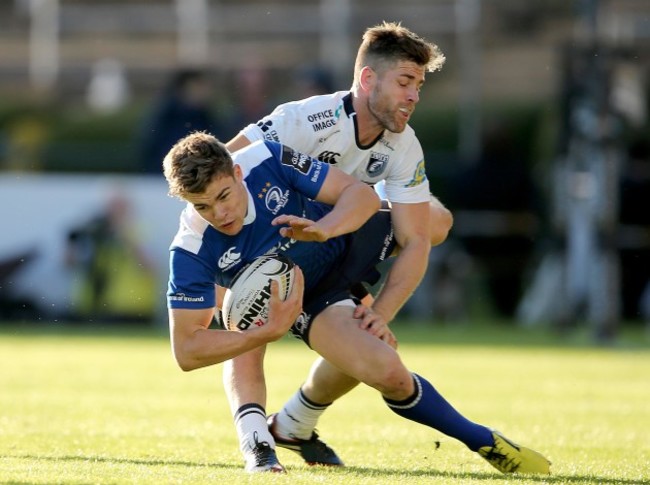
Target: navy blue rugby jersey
279, 181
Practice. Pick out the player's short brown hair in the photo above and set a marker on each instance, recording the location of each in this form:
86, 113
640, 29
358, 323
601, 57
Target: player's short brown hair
389, 42
194, 162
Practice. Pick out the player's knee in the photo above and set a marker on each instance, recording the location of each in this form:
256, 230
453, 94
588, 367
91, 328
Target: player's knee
392, 378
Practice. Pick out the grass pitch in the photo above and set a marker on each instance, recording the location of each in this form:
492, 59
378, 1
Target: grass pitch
110, 407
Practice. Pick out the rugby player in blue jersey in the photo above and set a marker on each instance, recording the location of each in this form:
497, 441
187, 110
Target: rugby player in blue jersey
327, 222
363, 132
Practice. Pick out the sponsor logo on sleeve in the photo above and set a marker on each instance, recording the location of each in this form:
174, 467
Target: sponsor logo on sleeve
270, 134
186, 298
419, 176
299, 161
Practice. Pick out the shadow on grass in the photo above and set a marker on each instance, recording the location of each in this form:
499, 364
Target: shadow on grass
362, 472
126, 461
398, 474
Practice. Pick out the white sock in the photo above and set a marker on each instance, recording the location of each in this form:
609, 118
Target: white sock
250, 422
298, 417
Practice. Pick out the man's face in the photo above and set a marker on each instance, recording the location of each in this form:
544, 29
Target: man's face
394, 94
223, 204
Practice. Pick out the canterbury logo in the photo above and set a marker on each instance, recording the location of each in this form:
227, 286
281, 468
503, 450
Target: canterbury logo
329, 157
229, 258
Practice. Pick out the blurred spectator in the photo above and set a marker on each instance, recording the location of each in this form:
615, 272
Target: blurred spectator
114, 278
183, 108
251, 98
108, 89
311, 81
27, 136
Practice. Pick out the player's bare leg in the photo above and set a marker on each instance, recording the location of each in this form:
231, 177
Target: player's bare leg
293, 427
243, 379
245, 386
299, 416
335, 335
327, 383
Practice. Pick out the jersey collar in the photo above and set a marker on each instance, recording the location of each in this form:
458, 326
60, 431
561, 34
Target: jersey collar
349, 110
347, 105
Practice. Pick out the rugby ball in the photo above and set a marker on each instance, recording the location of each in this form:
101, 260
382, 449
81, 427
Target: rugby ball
246, 302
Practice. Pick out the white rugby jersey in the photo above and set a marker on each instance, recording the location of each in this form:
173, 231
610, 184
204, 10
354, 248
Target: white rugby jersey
325, 127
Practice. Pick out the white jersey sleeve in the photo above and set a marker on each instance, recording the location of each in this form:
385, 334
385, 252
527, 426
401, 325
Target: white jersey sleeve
407, 180
285, 124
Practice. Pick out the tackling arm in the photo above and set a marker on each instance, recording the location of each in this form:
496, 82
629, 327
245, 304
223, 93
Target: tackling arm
411, 225
195, 345
354, 203
237, 143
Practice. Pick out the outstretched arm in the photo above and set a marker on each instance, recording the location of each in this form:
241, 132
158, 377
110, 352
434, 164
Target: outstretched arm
238, 142
354, 203
195, 345
411, 224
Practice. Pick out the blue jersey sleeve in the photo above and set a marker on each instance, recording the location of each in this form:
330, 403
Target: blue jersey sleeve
304, 173
191, 282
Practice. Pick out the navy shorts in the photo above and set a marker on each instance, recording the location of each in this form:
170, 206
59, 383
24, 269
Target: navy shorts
371, 244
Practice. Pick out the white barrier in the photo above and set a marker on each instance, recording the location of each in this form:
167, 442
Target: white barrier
38, 210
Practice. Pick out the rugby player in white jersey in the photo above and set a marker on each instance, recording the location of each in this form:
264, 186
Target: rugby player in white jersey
328, 224
363, 132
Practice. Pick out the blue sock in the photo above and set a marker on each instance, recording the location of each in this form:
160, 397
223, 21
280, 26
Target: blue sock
428, 407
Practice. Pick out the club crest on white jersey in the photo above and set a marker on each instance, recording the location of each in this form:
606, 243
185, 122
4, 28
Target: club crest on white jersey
377, 164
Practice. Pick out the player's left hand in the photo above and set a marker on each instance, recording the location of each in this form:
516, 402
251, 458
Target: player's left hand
300, 228
283, 313
375, 324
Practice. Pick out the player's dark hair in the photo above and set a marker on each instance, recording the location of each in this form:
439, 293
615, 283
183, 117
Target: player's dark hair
389, 42
194, 162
